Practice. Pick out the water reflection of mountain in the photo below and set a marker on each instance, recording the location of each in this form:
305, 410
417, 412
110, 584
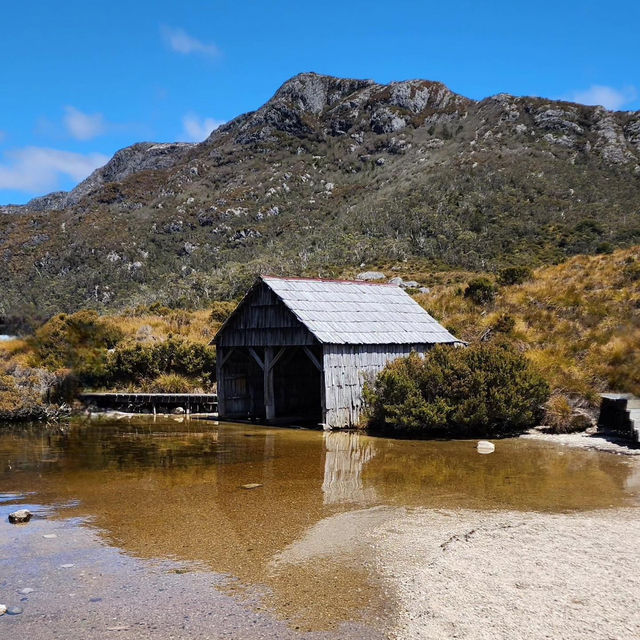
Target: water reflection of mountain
345, 458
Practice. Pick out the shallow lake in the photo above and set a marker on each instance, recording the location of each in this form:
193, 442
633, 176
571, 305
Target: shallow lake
127, 493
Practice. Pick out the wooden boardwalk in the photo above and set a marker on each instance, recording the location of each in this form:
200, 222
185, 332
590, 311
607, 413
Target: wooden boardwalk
152, 402
621, 412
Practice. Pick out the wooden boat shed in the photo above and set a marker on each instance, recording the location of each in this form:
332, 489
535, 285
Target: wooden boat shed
300, 350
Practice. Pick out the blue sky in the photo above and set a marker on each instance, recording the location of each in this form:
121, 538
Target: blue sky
79, 80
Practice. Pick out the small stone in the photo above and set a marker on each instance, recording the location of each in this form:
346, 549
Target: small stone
251, 485
22, 515
95, 599
66, 566
484, 446
26, 591
49, 536
380, 161
397, 281
15, 611
3, 609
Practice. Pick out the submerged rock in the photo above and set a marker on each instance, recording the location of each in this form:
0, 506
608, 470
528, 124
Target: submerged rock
484, 446
15, 611
22, 515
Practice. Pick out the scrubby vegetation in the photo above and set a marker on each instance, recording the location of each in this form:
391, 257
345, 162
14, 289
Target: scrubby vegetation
174, 362
480, 390
562, 417
577, 322
154, 348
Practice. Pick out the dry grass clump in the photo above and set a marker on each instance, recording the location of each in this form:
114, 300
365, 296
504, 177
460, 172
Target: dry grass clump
170, 383
146, 324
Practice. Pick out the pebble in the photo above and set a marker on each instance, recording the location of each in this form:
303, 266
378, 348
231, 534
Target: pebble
26, 591
251, 485
22, 515
15, 611
66, 566
49, 535
3, 609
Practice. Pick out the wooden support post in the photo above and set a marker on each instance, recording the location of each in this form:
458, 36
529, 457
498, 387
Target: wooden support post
220, 378
269, 396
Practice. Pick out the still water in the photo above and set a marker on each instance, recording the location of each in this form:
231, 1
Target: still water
172, 490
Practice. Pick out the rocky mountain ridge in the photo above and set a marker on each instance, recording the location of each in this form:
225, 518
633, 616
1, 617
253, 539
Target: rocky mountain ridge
330, 174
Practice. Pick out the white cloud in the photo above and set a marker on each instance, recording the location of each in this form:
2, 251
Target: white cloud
179, 40
607, 97
197, 129
84, 126
40, 169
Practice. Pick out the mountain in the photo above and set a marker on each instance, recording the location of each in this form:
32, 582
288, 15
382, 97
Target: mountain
329, 176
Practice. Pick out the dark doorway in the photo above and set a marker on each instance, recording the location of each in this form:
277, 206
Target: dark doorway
297, 386
243, 386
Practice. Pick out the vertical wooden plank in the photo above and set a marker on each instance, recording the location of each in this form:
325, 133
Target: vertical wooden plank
323, 388
220, 380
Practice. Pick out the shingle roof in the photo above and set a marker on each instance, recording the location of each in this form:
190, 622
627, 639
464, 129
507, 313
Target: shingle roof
344, 312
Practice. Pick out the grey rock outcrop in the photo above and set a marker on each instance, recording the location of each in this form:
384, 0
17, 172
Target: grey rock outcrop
370, 276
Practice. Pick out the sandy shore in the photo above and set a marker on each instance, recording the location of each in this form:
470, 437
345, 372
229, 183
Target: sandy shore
483, 576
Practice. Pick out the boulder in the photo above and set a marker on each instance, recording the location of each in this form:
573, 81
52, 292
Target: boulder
22, 515
398, 281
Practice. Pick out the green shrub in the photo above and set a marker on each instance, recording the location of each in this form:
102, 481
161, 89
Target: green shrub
514, 275
480, 390
221, 310
134, 364
480, 290
503, 324
74, 341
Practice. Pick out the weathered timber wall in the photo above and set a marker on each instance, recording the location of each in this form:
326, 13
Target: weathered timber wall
263, 320
346, 368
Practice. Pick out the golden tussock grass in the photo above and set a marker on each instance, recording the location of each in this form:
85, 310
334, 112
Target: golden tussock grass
579, 321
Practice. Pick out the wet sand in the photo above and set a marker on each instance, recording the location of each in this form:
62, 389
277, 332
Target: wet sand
347, 536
